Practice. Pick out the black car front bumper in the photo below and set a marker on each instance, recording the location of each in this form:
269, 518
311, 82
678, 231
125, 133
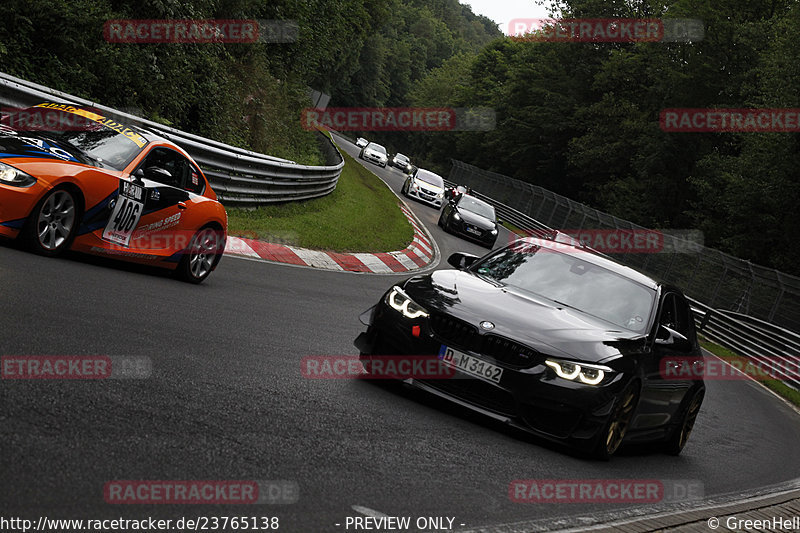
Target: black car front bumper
529, 395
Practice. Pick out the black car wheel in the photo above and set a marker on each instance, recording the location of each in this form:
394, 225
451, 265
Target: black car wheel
617, 426
202, 255
53, 223
677, 440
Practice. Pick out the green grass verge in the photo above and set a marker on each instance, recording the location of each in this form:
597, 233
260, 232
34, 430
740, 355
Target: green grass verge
775, 385
361, 215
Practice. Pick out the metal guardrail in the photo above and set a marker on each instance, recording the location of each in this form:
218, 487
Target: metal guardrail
238, 176
772, 348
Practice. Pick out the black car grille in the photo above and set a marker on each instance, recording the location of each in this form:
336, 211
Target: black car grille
461, 334
477, 392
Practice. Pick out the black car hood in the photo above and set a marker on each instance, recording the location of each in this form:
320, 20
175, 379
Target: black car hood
476, 220
518, 315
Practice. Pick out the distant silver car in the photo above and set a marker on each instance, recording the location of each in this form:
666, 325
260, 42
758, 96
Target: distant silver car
361, 142
374, 153
425, 186
402, 162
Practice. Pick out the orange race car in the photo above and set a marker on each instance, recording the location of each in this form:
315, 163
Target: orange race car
74, 178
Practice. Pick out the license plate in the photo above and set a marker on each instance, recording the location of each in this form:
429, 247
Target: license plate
473, 230
127, 212
470, 365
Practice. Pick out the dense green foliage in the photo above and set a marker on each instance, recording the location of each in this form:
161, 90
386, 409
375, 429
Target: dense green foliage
362, 52
582, 119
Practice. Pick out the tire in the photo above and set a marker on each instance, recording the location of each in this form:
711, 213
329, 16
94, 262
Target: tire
439, 222
618, 423
680, 435
404, 190
201, 256
53, 223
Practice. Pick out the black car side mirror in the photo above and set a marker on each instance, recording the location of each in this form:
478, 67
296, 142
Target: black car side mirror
666, 336
137, 176
461, 260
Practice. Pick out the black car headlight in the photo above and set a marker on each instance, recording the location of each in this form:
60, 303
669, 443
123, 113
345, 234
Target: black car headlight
13, 176
401, 302
580, 372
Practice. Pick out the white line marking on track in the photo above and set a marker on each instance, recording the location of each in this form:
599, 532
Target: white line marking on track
316, 259
367, 511
404, 260
373, 263
235, 245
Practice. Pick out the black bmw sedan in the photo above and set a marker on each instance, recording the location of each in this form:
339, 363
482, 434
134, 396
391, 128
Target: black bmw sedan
470, 217
550, 338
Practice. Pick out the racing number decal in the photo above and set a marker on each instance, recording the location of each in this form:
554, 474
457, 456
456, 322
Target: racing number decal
126, 214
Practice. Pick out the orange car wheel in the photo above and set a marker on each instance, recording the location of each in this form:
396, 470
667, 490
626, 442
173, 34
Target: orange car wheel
201, 256
53, 223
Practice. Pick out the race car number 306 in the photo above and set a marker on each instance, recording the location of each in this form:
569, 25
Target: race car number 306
470, 365
127, 212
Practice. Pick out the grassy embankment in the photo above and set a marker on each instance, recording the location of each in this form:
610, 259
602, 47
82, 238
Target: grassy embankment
361, 215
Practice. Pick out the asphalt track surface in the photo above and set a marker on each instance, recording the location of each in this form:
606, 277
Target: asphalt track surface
226, 401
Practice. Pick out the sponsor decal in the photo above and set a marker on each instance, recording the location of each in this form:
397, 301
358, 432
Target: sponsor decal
99, 119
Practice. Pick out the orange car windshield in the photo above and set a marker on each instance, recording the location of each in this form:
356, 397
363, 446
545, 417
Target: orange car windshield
102, 147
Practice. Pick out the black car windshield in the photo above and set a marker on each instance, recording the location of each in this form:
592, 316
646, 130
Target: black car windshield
430, 178
473, 205
567, 279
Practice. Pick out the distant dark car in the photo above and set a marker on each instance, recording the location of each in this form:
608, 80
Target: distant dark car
425, 186
402, 162
552, 339
470, 217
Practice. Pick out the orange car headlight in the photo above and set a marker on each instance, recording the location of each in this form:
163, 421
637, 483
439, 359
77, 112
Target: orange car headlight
13, 176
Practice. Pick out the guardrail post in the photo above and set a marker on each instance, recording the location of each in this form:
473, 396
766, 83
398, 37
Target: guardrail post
706, 318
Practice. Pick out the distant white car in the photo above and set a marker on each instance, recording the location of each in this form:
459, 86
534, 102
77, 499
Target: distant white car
361, 142
374, 153
402, 162
425, 186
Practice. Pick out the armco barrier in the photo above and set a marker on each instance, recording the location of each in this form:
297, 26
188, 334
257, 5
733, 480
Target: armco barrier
238, 176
